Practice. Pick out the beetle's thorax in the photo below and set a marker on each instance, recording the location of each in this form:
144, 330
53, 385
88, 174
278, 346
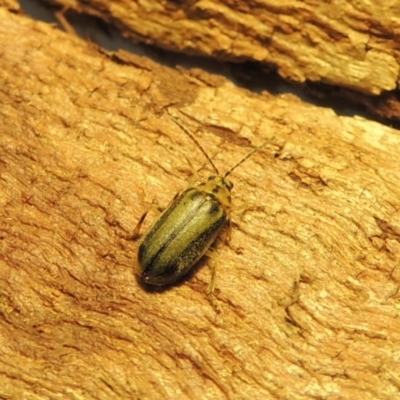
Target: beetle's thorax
219, 187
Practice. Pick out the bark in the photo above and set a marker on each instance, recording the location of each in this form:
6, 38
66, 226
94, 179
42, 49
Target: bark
352, 45
11, 5
307, 289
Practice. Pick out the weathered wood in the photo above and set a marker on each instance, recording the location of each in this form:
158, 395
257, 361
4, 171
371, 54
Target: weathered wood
10, 5
347, 44
307, 288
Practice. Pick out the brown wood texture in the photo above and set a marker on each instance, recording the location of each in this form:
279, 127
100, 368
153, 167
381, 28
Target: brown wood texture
307, 289
353, 45
11, 5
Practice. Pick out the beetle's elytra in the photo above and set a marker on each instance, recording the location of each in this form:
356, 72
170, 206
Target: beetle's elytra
186, 229
169, 250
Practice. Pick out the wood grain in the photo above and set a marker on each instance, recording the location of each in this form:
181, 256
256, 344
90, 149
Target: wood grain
307, 289
351, 45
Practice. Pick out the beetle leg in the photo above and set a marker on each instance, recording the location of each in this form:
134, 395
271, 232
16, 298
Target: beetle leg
157, 209
211, 285
136, 232
228, 231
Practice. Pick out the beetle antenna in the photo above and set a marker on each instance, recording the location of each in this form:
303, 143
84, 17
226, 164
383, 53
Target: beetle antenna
257, 149
196, 142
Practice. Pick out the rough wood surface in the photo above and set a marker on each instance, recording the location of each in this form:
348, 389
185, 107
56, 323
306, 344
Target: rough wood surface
346, 44
10, 5
307, 289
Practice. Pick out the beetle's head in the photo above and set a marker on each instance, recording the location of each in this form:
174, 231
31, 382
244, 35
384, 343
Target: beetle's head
219, 187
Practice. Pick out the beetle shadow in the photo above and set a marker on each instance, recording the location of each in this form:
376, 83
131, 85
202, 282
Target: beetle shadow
179, 282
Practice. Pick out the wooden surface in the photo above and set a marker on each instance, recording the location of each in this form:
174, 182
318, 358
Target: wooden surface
307, 290
352, 45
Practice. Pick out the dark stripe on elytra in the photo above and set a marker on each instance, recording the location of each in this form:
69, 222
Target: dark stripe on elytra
178, 228
163, 217
199, 239
194, 247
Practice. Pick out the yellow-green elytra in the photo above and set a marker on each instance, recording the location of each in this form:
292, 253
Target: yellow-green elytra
186, 229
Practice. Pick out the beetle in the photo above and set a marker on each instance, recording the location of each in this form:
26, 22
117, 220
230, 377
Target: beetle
184, 232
